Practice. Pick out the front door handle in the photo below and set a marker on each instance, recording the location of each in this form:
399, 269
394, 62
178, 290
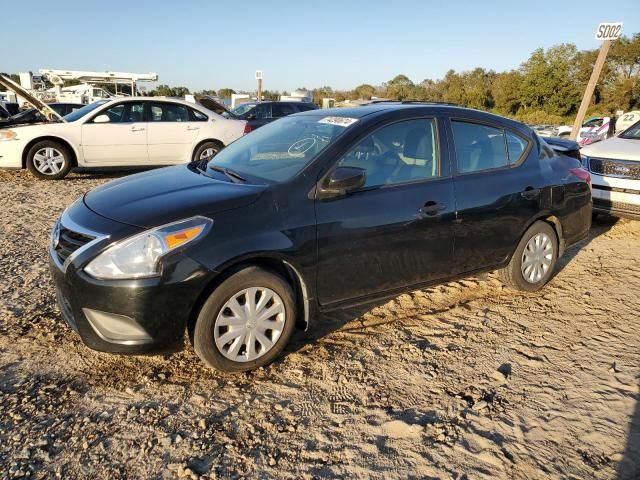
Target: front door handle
530, 193
193, 128
137, 129
432, 208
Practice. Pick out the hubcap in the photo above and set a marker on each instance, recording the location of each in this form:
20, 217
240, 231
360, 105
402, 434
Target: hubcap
537, 257
49, 161
208, 153
249, 324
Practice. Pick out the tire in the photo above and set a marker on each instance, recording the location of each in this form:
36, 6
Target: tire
208, 149
49, 160
519, 277
217, 319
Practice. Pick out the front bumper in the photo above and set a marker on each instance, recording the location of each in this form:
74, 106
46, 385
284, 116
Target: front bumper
11, 153
620, 199
126, 316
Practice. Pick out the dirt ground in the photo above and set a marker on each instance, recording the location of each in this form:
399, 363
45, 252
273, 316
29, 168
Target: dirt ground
466, 380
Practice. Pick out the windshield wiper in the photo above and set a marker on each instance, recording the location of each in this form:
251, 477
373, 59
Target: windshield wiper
234, 176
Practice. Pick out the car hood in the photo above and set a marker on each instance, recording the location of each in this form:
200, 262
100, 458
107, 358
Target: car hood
616, 147
48, 112
213, 105
153, 198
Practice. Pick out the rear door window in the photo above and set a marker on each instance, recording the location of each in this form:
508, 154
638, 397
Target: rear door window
169, 112
198, 116
282, 110
516, 146
479, 147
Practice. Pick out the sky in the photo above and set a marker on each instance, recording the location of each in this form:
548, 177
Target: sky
212, 44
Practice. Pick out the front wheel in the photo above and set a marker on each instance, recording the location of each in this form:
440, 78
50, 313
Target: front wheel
246, 322
49, 160
532, 264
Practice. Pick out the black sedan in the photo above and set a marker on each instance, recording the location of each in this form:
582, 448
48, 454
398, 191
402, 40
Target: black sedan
317, 211
34, 116
258, 114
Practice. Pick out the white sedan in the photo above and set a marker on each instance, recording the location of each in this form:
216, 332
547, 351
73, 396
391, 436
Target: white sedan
615, 173
134, 131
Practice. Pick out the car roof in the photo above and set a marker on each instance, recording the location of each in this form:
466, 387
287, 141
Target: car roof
153, 99
377, 109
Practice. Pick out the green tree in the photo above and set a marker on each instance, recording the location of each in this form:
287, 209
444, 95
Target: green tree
399, 88
505, 91
363, 91
320, 93
226, 92
548, 80
211, 93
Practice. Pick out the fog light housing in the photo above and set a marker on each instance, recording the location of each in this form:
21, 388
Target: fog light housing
116, 328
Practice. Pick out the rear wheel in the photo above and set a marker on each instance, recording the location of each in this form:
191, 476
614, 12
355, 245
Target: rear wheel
207, 150
532, 263
246, 322
49, 160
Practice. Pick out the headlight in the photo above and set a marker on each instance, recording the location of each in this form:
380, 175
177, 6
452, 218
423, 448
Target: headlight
585, 161
139, 256
7, 135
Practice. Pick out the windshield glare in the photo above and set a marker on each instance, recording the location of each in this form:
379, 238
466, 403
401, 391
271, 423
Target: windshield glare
633, 132
279, 150
244, 108
81, 112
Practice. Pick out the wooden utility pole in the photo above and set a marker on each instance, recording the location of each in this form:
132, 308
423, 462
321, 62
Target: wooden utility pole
259, 79
606, 33
591, 86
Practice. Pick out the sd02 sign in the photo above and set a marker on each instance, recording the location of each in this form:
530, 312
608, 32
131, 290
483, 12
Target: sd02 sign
609, 31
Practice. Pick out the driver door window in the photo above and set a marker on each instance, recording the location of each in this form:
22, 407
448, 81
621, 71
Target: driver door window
263, 111
129, 112
402, 152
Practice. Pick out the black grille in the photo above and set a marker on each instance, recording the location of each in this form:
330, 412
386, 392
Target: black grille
68, 242
615, 168
616, 206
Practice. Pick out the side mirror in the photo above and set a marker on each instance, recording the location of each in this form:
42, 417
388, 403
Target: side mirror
252, 116
342, 181
102, 119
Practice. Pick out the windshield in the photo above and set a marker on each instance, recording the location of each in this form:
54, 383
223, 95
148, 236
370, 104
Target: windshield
24, 115
279, 150
244, 108
633, 132
81, 112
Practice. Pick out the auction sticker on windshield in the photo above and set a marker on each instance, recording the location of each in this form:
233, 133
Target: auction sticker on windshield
339, 121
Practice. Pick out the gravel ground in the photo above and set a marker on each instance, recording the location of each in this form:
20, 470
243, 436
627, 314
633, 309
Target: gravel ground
461, 381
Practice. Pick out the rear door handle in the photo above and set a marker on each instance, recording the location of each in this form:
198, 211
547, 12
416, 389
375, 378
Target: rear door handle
432, 208
137, 129
530, 193
193, 128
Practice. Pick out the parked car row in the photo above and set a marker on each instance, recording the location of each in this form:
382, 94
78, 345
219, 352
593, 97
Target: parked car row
317, 211
133, 131
258, 114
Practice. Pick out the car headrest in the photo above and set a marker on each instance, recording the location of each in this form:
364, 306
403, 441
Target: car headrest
418, 144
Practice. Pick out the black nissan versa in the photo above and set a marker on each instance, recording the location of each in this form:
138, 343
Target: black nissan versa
317, 211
